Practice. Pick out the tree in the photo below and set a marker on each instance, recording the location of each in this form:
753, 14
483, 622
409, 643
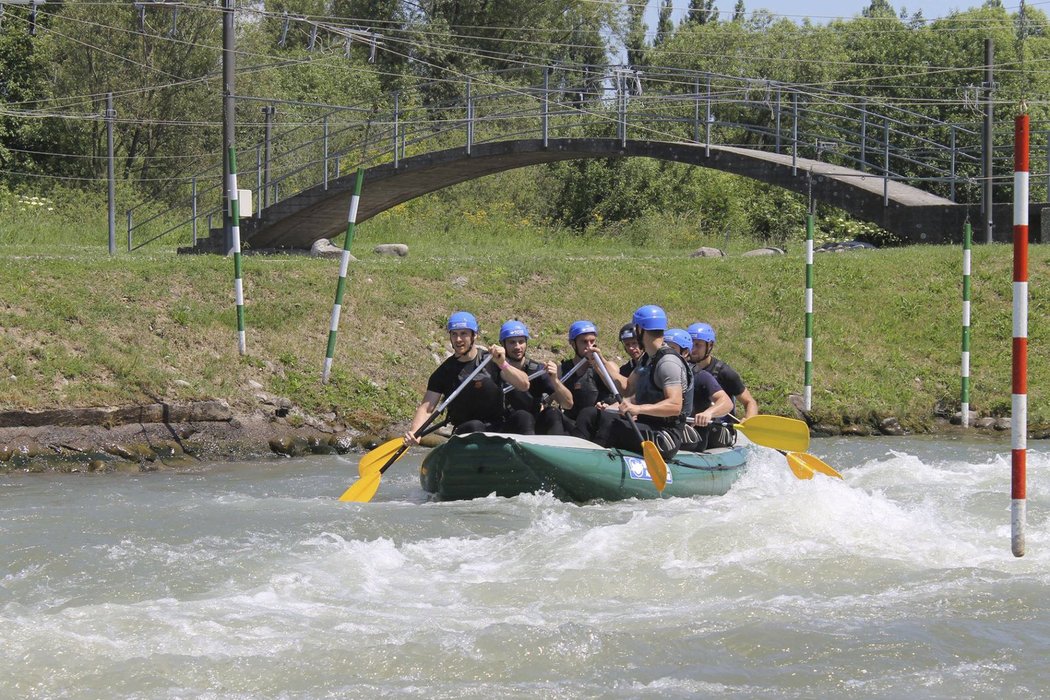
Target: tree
701, 12
664, 25
739, 12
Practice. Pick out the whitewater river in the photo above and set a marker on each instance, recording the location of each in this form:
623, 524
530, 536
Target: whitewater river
253, 581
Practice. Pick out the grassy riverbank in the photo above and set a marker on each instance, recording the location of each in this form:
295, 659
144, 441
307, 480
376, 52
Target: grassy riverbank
78, 328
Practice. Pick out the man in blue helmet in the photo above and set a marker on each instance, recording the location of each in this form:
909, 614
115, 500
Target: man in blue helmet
705, 400
480, 405
729, 379
654, 395
526, 406
633, 349
586, 384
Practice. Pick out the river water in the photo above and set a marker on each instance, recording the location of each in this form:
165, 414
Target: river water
253, 581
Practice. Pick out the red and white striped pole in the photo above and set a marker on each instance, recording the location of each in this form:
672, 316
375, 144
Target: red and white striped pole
1019, 398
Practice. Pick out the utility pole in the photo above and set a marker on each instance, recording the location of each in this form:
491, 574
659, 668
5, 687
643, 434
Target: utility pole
989, 90
111, 175
228, 129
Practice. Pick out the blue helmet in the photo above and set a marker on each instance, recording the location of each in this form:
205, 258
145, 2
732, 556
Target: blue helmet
650, 318
702, 331
462, 321
578, 328
679, 337
513, 329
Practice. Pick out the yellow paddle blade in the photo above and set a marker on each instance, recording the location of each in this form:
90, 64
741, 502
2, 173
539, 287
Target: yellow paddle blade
787, 434
798, 467
363, 489
375, 459
655, 463
815, 463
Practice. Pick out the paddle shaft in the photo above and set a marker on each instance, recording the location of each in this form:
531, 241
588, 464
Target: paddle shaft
616, 393
547, 401
535, 375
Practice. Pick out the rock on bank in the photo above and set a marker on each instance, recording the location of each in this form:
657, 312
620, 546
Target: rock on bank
162, 435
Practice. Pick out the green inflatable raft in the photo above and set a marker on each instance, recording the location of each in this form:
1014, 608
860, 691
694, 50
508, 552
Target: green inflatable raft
479, 464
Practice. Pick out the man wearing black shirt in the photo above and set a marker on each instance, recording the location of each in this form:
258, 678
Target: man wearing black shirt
480, 405
525, 407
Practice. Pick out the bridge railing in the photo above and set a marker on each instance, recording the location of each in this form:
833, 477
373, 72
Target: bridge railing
300, 146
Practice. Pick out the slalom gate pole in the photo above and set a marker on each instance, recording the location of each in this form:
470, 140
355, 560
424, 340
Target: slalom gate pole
337, 308
965, 396
807, 390
235, 235
1019, 398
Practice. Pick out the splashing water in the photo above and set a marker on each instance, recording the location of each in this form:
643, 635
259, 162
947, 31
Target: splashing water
249, 581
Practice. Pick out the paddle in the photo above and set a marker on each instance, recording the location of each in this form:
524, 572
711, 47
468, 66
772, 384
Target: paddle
789, 437
374, 460
365, 487
654, 461
788, 434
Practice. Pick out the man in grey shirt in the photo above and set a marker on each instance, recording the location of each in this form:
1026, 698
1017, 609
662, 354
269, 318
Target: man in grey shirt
655, 395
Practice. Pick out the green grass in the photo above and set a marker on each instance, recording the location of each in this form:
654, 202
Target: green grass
78, 328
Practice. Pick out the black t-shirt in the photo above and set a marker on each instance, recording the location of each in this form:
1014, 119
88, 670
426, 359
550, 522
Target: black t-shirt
481, 400
538, 388
628, 367
727, 377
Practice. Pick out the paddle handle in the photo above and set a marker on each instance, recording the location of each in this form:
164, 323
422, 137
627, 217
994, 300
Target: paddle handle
535, 375
604, 371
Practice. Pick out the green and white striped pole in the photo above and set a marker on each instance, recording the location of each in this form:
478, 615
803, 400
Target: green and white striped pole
235, 236
807, 390
337, 308
965, 398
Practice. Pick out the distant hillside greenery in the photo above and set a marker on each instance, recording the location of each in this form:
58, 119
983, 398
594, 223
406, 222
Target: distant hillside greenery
164, 70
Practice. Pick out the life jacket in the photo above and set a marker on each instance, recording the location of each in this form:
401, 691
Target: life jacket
516, 399
649, 392
586, 386
482, 399
715, 369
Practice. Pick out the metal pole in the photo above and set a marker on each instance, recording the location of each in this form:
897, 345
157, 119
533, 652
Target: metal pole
546, 106
324, 142
111, 175
794, 132
229, 67
863, 135
1019, 393
965, 395
886, 163
193, 206
953, 165
696, 110
470, 117
708, 118
989, 113
778, 119
258, 178
268, 112
397, 127
129, 230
